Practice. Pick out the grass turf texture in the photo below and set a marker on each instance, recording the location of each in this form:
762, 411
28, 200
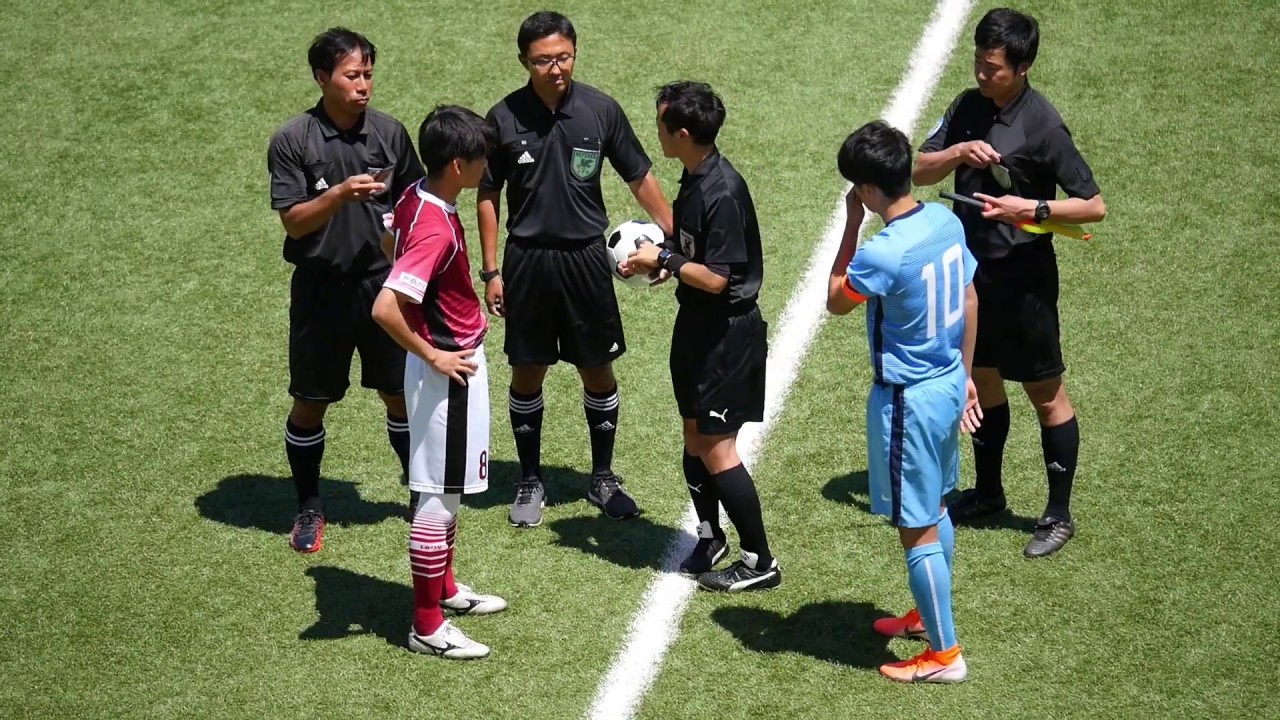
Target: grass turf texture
144, 497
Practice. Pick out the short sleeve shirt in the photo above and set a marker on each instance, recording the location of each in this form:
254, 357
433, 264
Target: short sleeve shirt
432, 270
914, 273
715, 224
550, 162
308, 155
1037, 153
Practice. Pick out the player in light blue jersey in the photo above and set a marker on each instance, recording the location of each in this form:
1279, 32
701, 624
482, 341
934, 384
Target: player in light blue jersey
916, 278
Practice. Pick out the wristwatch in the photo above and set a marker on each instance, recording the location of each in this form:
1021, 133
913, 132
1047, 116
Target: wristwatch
487, 275
663, 256
1042, 210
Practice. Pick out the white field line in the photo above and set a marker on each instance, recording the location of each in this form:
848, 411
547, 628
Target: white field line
656, 623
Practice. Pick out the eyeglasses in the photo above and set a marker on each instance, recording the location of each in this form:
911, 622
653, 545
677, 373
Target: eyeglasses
545, 63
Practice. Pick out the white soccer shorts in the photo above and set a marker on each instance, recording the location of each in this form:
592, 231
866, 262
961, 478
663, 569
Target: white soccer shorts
448, 428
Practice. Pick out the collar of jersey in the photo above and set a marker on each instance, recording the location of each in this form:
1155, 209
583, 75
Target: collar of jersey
919, 206
330, 130
567, 104
704, 168
1009, 112
422, 193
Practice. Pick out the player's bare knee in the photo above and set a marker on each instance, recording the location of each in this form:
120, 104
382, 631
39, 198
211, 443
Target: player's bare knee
1049, 397
916, 537
307, 414
527, 379
598, 379
719, 452
990, 387
395, 404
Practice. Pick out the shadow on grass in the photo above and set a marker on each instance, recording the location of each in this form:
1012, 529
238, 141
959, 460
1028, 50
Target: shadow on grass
564, 485
851, 489
834, 632
264, 502
351, 603
854, 489
637, 543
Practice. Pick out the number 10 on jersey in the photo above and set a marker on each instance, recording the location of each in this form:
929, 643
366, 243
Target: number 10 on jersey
952, 289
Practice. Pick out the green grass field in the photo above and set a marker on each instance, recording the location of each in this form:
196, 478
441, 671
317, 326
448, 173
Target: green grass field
144, 493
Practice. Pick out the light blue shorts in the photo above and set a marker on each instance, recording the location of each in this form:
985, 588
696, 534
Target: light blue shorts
913, 448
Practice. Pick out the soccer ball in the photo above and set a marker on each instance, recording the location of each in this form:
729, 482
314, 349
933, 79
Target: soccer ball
623, 241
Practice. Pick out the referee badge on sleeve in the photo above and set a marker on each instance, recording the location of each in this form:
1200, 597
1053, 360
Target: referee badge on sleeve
687, 246
584, 163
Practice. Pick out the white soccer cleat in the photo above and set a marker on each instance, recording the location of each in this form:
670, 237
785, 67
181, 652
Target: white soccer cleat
470, 602
449, 643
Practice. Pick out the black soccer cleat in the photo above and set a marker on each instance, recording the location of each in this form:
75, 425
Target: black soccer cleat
1049, 537
742, 575
608, 494
709, 551
307, 535
972, 506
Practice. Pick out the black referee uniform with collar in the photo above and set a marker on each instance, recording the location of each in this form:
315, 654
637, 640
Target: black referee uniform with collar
560, 300
719, 342
339, 268
1017, 276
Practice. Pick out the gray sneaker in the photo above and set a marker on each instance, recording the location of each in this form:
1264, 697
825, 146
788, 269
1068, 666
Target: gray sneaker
531, 498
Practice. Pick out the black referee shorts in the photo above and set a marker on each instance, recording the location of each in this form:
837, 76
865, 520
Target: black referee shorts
718, 368
560, 304
331, 317
1018, 330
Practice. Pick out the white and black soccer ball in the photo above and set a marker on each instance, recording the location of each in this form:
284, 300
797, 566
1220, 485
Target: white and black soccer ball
624, 240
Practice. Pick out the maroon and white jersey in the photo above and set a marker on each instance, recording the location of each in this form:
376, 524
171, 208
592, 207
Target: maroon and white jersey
431, 269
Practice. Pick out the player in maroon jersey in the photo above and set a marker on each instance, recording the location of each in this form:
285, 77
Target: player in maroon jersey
429, 307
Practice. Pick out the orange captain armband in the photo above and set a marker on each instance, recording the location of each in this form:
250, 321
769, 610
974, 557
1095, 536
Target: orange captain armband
857, 297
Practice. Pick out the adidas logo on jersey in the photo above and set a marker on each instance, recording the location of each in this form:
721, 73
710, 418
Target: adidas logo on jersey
525, 159
321, 184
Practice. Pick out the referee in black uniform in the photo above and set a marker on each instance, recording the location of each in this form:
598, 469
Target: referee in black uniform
1008, 146
555, 287
720, 341
336, 169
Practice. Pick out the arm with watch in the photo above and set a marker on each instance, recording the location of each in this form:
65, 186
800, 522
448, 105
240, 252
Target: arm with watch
1068, 211
649, 257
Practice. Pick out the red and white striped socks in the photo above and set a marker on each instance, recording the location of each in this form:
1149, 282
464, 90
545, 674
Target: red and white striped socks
431, 538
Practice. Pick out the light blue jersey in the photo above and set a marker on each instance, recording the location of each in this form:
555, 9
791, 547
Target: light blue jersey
914, 273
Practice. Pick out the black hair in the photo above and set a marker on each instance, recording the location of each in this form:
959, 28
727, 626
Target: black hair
1017, 33
692, 106
330, 46
542, 25
877, 154
451, 132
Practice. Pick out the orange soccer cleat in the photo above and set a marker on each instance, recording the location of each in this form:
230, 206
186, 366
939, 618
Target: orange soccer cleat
907, 626
929, 666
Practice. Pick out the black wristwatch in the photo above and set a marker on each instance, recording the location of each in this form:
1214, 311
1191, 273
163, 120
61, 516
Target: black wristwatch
1042, 210
487, 275
663, 256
